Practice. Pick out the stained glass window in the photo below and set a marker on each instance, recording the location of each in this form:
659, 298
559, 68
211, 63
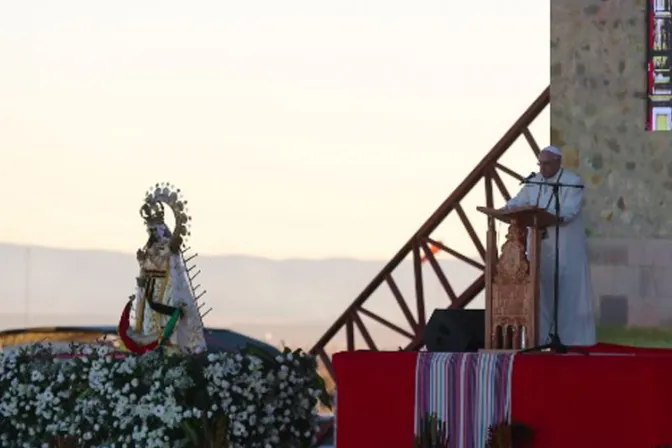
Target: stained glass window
659, 62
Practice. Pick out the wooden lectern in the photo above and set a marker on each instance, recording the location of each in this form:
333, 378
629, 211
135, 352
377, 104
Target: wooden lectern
512, 278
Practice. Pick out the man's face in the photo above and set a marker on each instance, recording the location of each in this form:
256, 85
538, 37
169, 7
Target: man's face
549, 164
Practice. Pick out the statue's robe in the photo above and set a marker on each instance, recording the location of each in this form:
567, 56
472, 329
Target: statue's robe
166, 283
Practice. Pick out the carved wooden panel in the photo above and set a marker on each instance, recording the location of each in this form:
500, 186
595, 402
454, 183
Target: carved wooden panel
512, 298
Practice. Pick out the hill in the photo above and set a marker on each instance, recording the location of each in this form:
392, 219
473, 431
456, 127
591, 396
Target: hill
289, 300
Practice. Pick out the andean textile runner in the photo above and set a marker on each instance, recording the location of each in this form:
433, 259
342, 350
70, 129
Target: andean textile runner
467, 391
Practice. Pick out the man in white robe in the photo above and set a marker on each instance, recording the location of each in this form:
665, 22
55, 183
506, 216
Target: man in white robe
576, 321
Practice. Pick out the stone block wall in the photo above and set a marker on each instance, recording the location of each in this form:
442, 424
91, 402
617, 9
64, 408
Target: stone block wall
632, 280
598, 114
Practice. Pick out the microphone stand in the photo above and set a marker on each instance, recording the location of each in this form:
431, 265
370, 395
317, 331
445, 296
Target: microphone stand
554, 342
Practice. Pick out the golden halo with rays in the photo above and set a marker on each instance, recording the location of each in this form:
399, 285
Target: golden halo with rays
163, 195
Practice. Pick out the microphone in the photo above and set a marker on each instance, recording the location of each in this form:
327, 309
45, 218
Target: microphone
527, 178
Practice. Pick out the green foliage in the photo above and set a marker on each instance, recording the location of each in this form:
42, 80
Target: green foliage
509, 435
636, 336
433, 433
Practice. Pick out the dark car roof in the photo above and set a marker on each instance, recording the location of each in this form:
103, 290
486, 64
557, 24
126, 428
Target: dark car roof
218, 339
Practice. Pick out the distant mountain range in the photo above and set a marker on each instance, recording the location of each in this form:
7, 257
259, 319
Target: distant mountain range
278, 300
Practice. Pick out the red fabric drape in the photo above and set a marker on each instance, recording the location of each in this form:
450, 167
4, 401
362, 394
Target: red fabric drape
594, 401
376, 399
129, 343
569, 400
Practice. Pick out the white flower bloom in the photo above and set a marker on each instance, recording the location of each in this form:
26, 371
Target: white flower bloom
139, 400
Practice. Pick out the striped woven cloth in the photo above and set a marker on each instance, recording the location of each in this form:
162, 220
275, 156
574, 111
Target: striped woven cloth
468, 391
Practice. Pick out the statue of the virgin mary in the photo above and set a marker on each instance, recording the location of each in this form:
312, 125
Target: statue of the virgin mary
166, 312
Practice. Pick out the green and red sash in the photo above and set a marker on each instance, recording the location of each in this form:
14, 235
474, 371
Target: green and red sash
124, 326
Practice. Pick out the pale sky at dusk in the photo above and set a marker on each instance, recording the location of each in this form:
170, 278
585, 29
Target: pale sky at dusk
295, 128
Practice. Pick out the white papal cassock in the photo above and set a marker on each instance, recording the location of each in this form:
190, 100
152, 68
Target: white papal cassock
576, 321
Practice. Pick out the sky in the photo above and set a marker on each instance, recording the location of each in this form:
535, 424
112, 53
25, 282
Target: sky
296, 129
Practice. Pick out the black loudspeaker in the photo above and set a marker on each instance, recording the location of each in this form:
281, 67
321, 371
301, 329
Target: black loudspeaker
456, 331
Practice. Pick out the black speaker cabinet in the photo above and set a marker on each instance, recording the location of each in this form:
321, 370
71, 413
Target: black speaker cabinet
455, 331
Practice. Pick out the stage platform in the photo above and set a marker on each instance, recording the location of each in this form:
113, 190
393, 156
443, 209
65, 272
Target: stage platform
616, 397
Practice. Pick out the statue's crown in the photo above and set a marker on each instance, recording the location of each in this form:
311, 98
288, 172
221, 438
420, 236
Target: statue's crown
152, 212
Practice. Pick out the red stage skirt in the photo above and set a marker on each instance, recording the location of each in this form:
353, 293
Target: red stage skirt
617, 397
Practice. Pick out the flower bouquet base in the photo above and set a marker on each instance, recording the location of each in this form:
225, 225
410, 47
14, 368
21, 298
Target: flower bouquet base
94, 397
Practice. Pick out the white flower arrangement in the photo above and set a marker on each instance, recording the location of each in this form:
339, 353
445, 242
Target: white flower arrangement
97, 398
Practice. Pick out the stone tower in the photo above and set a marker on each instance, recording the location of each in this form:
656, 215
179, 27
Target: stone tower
598, 117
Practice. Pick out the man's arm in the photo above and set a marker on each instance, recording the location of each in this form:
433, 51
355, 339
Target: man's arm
573, 202
522, 199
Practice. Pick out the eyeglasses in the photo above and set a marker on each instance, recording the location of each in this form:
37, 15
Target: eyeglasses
547, 163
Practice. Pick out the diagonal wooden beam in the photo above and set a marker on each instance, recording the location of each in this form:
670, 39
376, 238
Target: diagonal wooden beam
530, 139
456, 254
470, 230
489, 198
401, 302
326, 362
470, 293
439, 273
508, 171
419, 286
386, 323
500, 186
364, 332
350, 335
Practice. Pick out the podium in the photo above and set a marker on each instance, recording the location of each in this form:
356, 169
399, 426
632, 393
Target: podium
512, 277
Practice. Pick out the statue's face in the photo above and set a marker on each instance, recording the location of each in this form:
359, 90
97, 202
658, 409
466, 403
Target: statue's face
153, 230
158, 231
